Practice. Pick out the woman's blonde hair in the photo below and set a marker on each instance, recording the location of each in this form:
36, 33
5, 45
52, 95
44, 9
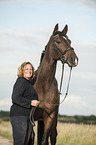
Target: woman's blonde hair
21, 69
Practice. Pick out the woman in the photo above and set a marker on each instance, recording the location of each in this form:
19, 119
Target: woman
24, 97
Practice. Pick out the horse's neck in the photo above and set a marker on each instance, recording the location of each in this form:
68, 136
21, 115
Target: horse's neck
46, 71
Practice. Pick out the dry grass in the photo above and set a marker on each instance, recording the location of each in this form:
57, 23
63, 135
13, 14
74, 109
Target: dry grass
5, 129
68, 134
76, 134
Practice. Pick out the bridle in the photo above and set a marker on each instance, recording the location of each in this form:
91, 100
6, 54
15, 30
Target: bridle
54, 47
63, 61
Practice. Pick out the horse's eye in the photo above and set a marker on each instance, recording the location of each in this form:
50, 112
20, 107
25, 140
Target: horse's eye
58, 42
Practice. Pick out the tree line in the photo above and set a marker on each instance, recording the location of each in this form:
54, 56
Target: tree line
4, 115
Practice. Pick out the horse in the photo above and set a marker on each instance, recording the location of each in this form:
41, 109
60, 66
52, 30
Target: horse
58, 48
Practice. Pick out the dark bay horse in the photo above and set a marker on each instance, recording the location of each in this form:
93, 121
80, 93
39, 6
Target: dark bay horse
58, 48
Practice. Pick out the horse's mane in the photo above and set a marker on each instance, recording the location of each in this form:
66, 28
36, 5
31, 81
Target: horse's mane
42, 55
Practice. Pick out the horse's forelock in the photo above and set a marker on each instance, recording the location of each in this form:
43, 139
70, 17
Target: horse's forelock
61, 34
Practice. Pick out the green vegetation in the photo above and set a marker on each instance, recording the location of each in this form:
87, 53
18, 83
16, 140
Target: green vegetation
77, 119
4, 115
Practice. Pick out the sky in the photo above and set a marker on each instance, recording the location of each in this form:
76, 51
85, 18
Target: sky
25, 29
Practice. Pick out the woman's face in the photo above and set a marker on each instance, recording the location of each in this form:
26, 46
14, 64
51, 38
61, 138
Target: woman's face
27, 72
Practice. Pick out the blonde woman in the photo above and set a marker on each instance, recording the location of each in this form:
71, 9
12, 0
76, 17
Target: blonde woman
24, 97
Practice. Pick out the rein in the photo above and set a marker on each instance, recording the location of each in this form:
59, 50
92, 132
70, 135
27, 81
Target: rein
31, 117
62, 76
67, 84
60, 90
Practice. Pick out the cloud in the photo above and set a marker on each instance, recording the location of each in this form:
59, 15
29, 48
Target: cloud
90, 3
5, 104
74, 105
86, 76
13, 42
22, 39
5, 101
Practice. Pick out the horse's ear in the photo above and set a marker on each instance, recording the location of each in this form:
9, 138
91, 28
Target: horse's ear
55, 29
65, 30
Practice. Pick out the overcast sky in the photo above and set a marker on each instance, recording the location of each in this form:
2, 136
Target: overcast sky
25, 29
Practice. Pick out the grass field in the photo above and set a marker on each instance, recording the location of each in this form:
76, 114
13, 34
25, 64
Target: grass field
68, 134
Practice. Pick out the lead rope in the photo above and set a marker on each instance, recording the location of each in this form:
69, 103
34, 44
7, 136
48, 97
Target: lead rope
31, 117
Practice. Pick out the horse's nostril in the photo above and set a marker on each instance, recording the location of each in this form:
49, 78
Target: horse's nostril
72, 59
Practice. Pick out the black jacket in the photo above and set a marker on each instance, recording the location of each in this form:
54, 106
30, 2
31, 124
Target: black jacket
23, 93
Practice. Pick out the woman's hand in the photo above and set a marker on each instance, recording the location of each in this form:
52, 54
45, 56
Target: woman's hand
35, 103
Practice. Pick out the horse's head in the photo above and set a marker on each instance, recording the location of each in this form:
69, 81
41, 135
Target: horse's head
62, 49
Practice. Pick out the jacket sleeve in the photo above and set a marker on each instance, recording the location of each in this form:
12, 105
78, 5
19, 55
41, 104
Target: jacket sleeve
17, 95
